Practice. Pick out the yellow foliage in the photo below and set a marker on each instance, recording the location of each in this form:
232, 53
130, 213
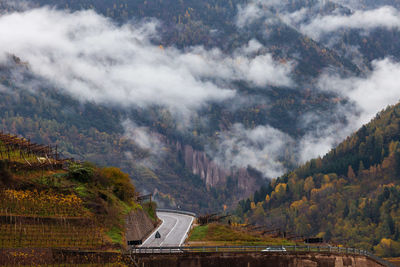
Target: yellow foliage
387, 247
313, 208
41, 203
280, 188
267, 198
309, 184
43, 197
123, 187
252, 205
362, 203
299, 203
326, 179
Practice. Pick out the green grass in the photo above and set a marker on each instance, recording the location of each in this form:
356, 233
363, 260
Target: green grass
16, 156
81, 190
219, 232
115, 234
150, 209
199, 233
220, 235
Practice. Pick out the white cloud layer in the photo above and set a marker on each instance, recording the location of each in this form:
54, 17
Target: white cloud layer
143, 137
309, 21
262, 148
89, 57
370, 95
380, 88
93, 59
386, 17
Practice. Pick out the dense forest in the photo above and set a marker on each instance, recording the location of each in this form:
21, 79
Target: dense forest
89, 131
92, 132
350, 196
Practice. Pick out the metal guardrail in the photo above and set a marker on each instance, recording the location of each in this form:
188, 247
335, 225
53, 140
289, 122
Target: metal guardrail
178, 211
264, 249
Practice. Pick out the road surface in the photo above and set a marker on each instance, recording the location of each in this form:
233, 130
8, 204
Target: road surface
173, 230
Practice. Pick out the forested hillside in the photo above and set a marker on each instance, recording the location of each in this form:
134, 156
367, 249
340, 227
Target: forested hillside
201, 158
350, 196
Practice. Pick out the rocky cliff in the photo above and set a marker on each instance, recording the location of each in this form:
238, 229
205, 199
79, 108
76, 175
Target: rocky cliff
243, 181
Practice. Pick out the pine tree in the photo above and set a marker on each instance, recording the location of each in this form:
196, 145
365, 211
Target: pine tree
350, 173
360, 168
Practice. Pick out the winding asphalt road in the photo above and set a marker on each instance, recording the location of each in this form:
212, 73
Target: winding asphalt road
173, 230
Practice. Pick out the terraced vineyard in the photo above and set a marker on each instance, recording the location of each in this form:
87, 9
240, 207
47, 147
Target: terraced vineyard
45, 203
44, 199
41, 232
22, 154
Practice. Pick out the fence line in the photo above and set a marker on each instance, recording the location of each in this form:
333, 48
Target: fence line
266, 249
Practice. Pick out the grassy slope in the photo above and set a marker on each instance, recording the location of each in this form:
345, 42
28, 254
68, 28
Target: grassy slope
221, 235
93, 208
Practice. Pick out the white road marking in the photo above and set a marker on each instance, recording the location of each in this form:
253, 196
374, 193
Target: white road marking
158, 228
186, 233
176, 223
173, 229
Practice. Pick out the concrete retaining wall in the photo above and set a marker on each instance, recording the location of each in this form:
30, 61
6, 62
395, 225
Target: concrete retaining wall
138, 225
255, 259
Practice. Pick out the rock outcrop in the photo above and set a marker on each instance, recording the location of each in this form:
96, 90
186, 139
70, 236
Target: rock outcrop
216, 176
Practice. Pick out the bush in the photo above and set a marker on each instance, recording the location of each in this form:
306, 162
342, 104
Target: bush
121, 183
387, 248
5, 173
81, 172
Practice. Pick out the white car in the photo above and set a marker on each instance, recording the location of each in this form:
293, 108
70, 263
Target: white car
274, 249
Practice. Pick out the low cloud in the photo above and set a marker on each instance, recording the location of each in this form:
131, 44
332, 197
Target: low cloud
256, 10
309, 21
143, 137
368, 95
248, 14
93, 59
16, 5
263, 148
385, 17
372, 93
328, 130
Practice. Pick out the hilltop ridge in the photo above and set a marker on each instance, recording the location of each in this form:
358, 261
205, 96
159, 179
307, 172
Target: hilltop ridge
350, 196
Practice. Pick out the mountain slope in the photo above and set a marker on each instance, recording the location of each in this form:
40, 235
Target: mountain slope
95, 132
185, 165
350, 196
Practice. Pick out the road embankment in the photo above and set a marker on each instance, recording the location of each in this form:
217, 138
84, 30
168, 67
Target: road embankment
256, 259
138, 225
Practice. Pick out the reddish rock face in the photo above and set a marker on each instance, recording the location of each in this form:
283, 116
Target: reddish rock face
216, 176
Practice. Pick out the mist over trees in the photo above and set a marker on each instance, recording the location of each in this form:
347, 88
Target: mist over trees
350, 196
